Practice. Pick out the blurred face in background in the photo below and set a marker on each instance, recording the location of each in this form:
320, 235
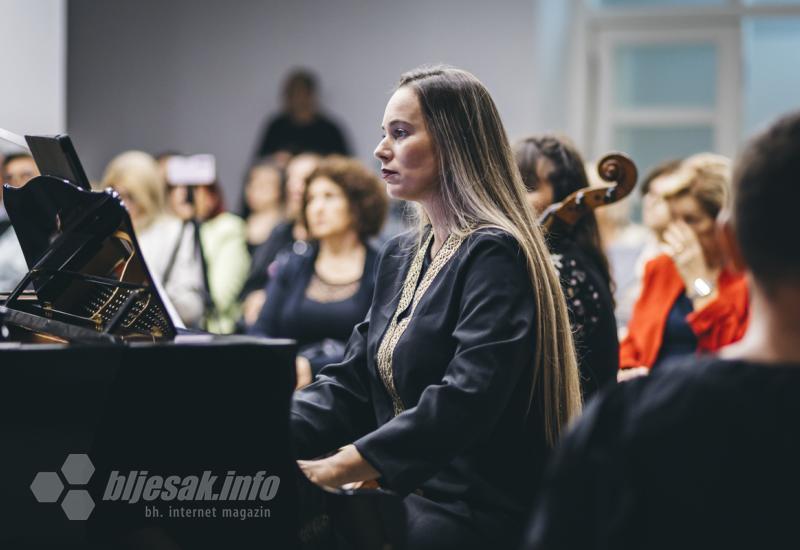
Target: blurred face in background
263, 189
19, 171
177, 202
135, 176
688, 209
655, 210
541, 196
327, 209
301, 101
133, 206
297, 171
204, 197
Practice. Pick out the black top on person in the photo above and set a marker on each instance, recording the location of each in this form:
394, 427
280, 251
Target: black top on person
320, 326
301, 127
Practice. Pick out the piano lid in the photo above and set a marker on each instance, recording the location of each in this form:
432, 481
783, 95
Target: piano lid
84, 262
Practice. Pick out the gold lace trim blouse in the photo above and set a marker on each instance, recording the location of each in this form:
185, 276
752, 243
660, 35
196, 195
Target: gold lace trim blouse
411, 294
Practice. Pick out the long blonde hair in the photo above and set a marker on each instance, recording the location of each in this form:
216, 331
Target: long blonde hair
137, 173
480, 187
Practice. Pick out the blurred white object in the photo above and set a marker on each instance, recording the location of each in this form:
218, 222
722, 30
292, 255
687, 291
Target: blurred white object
192, 170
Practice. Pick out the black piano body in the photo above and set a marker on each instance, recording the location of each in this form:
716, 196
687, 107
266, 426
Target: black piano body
167, 409
94, 368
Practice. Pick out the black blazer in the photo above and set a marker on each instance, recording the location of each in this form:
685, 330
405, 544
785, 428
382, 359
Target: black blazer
469, 436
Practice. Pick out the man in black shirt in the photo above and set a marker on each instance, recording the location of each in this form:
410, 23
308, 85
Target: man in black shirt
301, 128
703, 453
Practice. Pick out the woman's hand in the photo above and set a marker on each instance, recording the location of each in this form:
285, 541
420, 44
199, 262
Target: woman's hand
687, 254
345, 467
684, 248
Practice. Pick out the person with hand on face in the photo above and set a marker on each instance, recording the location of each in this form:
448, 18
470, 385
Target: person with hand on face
463, 374
691, 301
317, 297
647, 239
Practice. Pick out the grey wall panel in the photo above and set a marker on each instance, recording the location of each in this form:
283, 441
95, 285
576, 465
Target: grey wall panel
202, 75
34, 73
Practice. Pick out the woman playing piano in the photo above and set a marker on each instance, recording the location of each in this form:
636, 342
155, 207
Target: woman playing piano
463, 375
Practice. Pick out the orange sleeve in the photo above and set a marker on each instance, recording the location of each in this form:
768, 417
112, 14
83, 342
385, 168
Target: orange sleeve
629, 353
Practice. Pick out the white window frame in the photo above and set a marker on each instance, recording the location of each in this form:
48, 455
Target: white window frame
723, 116
596, 29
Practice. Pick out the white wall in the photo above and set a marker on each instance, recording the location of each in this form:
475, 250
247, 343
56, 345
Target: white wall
33, 76
200, 76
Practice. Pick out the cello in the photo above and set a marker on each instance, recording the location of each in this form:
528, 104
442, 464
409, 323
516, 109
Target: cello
616, 168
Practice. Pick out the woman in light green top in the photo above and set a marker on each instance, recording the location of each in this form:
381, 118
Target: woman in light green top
224, 244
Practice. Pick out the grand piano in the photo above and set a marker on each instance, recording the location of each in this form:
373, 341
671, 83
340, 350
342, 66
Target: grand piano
101, 383
122, 429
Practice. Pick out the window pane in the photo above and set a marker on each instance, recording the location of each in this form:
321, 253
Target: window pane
666, 75
772, 77
637, 3
649, 146
773, 2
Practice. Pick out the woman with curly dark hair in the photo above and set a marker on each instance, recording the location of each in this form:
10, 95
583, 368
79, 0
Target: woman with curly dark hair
317, 297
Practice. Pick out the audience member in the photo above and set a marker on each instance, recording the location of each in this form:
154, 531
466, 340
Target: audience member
690, 300
264, 200
17, 170
318, 297
223, 249
702, 454
301, 128
551, 170
166, 242
285, 235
